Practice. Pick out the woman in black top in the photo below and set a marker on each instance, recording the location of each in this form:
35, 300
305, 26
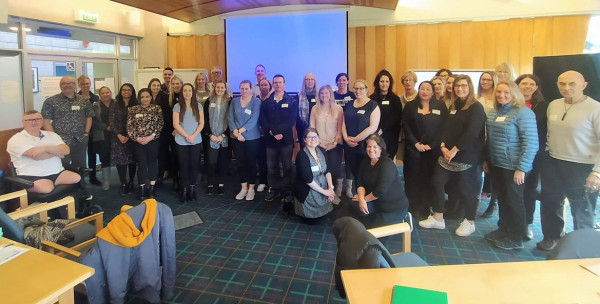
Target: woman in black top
461, 160
379, 188
101, 134
313, 190
159, 97
422, 121
361, 119
121, 147
343, 95
168, 145
529, 86
391, 111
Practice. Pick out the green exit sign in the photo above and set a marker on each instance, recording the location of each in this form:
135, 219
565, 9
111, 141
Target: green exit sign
86, 17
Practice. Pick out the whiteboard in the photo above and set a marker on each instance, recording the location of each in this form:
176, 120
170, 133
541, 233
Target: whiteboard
143, 76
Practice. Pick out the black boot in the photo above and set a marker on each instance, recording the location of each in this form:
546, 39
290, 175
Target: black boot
142, 192
176, 186
129, 188
123, 189
183, 194
94, 180
151, 191
192, 193
491, 209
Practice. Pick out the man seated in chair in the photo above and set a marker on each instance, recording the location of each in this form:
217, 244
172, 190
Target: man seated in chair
37, 155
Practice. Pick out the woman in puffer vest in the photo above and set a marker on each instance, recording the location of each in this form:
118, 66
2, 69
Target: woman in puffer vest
512, 143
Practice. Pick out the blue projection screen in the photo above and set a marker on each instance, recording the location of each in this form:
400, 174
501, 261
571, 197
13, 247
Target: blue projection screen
291, 45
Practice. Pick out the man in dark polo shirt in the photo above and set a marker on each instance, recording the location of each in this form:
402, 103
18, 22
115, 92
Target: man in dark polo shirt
70, 116
277, 118
167, 74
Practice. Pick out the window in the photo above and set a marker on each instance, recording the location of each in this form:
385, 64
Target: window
592, 43
9, 35
55, 38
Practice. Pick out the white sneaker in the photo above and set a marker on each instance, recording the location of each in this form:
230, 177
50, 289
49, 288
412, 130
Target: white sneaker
431, 222
242, 194
465, 228
250, 195
261, 187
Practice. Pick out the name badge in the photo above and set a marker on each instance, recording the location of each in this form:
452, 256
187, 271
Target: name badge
553, 117
314, 168
248, 111
313, 100
501, 119
360, 112
139, 115
285, 105
385, 102
348, 98
75, 108
452, 112
213, 104
436, 112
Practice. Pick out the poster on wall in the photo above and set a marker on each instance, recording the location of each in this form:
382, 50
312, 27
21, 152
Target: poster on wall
50, 86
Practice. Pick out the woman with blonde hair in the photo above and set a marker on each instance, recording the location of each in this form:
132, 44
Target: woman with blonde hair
201, 86
505, 72
438, 87
168, 147
462, 148
327, 118
485, 94
512, 143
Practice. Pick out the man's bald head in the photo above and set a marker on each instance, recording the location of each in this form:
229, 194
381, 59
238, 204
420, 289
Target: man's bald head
571, 85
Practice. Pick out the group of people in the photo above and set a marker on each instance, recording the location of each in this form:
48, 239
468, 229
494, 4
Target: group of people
445, 133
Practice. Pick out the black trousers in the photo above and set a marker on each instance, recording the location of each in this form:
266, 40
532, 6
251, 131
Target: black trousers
218, 162
418, 171
246, 154
334, 162
354, 157
122, 171
261, 158
468, 185
146, 157
391, 142
189, 158
91, 159
511, 207
562, 179
102, 148
279, 160
531, 193
167, 156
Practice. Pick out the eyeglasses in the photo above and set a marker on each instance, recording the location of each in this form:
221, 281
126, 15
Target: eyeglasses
360, 89
67, 83
312, 137
462, 86
215, 72
33, 120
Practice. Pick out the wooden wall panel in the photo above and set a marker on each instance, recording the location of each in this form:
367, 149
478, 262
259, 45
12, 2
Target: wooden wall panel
398, 48
5, 135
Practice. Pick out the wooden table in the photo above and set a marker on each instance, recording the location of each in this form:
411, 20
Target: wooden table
561, 281
39, 277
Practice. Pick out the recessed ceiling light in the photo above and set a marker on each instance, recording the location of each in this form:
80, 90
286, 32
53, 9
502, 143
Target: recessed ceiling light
27, 29
14, 28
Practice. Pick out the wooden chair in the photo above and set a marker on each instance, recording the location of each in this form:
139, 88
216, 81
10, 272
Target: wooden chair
84, 229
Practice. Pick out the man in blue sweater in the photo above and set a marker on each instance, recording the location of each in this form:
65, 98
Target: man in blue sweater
277, 118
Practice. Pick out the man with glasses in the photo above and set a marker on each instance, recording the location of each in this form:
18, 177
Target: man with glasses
37, 154
70, 116
277, 118
216, 74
